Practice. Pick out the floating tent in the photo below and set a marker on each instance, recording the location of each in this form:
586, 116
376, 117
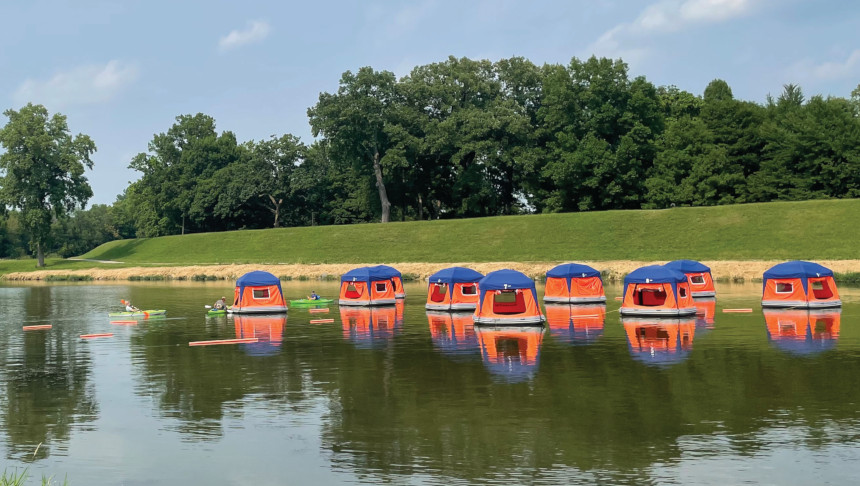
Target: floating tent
573, 283
659, 341
799, 284
510, 353
452, 333
803, 331
267, 329
454, 288
656, 291
507, 297
369, 327
367, 286
258, 293
395, 276
576, 324
698, 276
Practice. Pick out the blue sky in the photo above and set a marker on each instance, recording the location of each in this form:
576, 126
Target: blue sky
122, 71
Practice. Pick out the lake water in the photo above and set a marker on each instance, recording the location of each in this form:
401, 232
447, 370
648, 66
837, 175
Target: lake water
399, 396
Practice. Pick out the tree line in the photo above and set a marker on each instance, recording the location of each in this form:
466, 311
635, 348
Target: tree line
468, 138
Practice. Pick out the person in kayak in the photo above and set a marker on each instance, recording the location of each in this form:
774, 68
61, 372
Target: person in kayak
313, 296
220, 304
129, 307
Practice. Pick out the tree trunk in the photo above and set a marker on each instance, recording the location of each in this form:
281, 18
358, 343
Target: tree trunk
420, 208
276, 209
183, 224
383, 196
40, 255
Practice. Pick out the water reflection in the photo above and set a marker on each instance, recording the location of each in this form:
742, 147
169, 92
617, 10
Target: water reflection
453, 333
371, 327
268, 329
510, 353
659, 341
576, 324
802, 331
705, 311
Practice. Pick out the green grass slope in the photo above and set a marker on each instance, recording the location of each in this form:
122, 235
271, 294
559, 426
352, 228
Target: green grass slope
784, 230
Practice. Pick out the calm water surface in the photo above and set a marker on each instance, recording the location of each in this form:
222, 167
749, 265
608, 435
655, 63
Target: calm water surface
402, 396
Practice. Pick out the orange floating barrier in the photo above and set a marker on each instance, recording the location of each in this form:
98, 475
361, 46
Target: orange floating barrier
619, 298
318, 311
321, 321
37, 328
93, 336
124, 323
223, 341
737, 310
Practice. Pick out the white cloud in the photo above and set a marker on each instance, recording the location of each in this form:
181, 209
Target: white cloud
665, 16
256, 31
82, 85
829, 70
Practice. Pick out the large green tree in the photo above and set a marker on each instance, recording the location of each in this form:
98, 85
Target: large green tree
43, 170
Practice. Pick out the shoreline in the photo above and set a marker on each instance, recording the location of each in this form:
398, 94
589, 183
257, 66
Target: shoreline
612, 270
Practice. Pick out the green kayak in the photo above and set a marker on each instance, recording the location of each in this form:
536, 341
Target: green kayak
311, 301
144, 313
214, 312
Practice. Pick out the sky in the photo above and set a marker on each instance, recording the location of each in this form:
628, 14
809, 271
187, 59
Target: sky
121, 71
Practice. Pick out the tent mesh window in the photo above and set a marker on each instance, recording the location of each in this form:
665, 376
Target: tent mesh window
469, 289
509, 302
784, 288
352, 292
682, 291
439, 291
697, 279
261, 293
380, 286
820, 290
649, 297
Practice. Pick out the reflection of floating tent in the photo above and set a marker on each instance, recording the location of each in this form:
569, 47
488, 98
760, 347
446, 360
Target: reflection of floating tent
269, 331
705, 311
369, 326
659, 340
574, 283
367, 286
510, 352
395, 276
799, 284
454, 288
698, 276
258, 293
656, 291
452, 332
575, 324
507, 297
802, 331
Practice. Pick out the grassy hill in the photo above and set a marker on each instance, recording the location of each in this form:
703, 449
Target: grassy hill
784, 230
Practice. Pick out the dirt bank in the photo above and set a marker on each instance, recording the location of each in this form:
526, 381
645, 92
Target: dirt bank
613, 270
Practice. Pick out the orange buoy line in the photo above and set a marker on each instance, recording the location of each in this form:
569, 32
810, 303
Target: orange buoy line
37, 328
124, 323
619, 298
93, 336
589, 316
321, 321
318, 311
737, 310
223, 341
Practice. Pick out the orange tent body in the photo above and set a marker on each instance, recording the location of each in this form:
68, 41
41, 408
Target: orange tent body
452, 332
511, 352
399, 292
258, 293
656, 291
575, 324
799, 284
456, 296
803, 331
507, 297
268, 329
364, 287
369, 327
659, 341
573, 283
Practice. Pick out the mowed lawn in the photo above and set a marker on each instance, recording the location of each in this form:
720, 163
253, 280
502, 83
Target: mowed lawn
784, 230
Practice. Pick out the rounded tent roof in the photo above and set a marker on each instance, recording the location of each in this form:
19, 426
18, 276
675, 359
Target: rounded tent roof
257, 278
797, 269
688, 266
385, 271
367, 274
654, 274
572, 270
456, 275
505, 279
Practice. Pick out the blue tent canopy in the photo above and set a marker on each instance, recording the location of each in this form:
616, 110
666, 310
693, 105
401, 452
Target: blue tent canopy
572, 270
797, 269
505, 280
368, 274
257, 278
454, 275
385, 271
654, 274
687, 266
